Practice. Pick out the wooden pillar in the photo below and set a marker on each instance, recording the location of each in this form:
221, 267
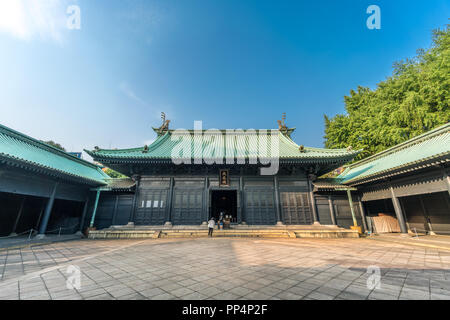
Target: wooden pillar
48, 211
205, 200
350, 201
241, 217
398, 212
83, 215
19, 214
277, 200
40, 214
116, 204
134, 205
313, 202
363, 214
332, 213
169, 202
426, 216
94, 211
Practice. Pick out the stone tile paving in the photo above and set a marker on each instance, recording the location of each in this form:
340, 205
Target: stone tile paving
225, 268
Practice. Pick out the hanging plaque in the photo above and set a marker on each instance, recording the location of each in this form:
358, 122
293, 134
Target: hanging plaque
224, 178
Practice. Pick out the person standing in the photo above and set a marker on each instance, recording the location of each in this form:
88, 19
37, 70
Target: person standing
211, 224
220, 223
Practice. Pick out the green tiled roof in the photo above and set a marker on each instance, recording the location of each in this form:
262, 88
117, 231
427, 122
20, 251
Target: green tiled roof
21, 150
433, 145
217, 144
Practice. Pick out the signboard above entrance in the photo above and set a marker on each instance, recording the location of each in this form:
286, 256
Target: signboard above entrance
224, 179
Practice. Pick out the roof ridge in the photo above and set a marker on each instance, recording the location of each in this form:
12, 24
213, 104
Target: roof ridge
289, 140
403, 145
116, 150
42, 145
236, 130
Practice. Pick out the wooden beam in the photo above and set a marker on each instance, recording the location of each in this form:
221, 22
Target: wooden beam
19, 214
350, 201
277, 200
169, 202
48, 211
134, 204
313, 202
116, 204
363, 214
83, 215
398, 212
332, 213
97, 196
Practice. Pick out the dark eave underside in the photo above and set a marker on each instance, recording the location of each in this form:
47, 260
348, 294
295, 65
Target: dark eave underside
33, 167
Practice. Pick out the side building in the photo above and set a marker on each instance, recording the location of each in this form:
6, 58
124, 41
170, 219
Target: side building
43, 189
409, 181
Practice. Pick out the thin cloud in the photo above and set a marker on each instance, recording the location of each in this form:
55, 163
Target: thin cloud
125, 88
28, 19
154, 112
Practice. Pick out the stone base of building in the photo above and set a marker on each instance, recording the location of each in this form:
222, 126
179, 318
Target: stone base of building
201, 231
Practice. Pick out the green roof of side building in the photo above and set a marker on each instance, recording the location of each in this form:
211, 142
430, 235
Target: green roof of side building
222, 144
430, 148
23, 151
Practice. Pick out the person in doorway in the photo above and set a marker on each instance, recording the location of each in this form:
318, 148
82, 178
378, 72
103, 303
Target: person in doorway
211, 224
220, 223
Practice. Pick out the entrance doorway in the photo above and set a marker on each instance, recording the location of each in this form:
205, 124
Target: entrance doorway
224, 201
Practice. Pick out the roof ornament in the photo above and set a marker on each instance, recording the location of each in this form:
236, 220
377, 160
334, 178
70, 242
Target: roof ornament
96, 148
301, 148
282, 126
164, 127
145, 149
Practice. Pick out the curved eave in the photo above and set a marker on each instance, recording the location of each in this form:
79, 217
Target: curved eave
35, 167
436, 160
43, 146
142, 160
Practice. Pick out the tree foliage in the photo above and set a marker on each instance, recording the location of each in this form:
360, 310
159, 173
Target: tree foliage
113, 174
415, 99
55, 144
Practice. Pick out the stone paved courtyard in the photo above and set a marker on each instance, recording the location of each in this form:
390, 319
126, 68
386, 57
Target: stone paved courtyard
225, 268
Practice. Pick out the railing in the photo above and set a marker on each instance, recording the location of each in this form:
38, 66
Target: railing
30, 232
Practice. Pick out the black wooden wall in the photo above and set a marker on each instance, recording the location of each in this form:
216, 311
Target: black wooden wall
427, 212
341, 207
113, 209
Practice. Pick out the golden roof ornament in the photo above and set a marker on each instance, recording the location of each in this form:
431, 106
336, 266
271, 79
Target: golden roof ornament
164, 127
282, 126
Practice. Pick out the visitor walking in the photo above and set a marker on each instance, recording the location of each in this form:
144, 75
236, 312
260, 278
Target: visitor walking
211, 224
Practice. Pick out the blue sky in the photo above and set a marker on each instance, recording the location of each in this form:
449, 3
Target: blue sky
229, 63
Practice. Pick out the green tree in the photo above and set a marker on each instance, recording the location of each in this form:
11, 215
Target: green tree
413, 100
113, 174
55, 144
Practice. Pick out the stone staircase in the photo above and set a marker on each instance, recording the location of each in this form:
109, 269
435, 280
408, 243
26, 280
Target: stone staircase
268, 232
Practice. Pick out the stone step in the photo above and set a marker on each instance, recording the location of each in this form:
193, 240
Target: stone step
196, 233
224, 233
